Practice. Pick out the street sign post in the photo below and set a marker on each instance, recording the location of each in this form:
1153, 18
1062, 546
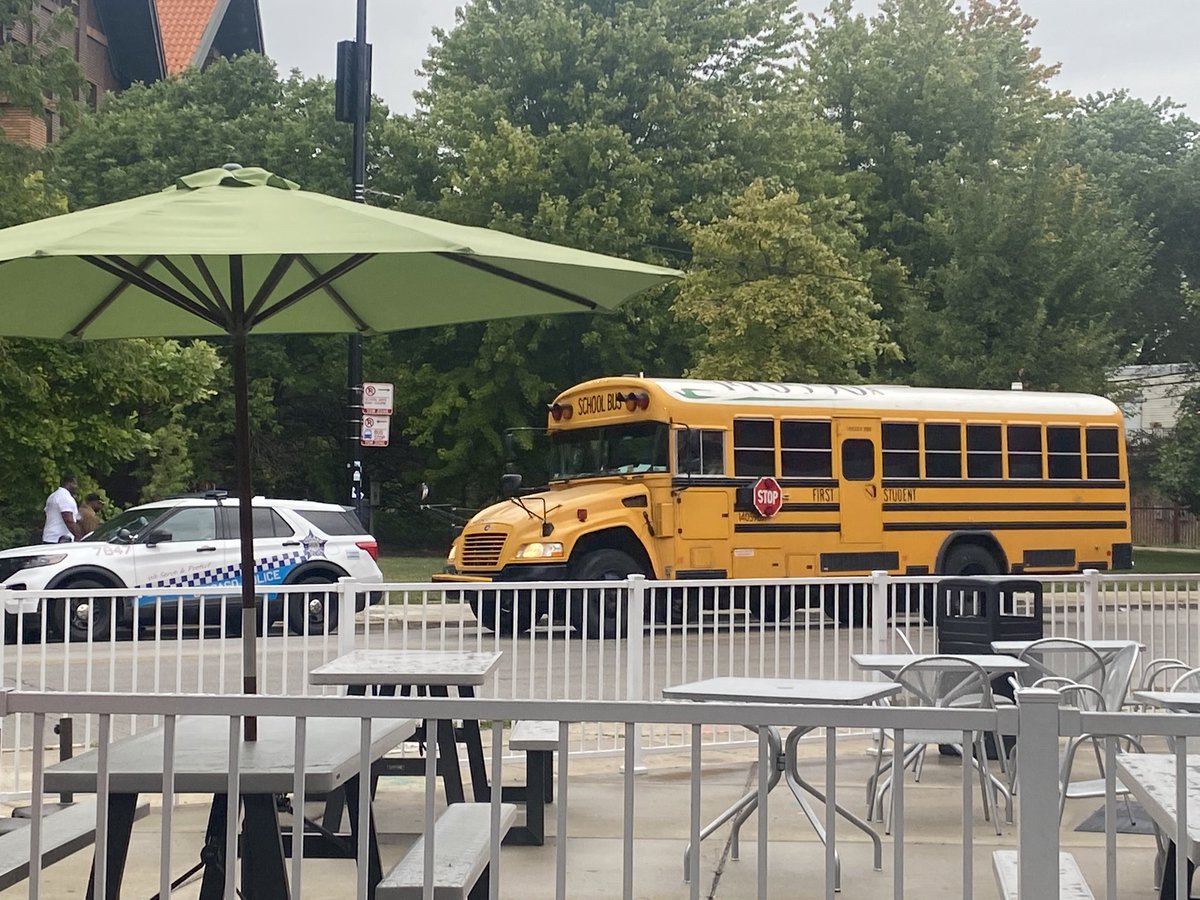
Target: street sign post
375, 431
377, 398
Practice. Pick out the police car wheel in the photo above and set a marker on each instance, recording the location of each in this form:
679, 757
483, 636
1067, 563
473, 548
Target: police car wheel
75, 617
312, 612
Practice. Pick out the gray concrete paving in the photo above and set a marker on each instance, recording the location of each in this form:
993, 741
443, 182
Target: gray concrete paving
932, 853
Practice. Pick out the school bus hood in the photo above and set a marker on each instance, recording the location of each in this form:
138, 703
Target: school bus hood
560, 505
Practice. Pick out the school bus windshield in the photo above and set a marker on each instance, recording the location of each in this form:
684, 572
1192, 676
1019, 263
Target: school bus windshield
610, 450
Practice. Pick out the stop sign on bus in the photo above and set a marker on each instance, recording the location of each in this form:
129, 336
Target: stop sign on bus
767, 496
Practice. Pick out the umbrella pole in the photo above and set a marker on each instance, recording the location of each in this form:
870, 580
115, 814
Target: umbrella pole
241, 430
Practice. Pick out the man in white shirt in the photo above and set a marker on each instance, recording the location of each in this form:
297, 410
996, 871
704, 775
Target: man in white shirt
62, 513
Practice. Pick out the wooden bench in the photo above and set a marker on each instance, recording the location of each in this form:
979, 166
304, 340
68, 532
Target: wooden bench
1071, 883
461, 849
537, 740
64, 831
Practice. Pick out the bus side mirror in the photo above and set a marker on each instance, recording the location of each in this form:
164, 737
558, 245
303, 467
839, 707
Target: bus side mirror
510, 483
689, 452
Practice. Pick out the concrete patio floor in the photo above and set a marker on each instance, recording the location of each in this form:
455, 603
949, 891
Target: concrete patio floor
932, 860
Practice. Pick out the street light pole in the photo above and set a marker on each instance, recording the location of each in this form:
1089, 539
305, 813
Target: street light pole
361, 83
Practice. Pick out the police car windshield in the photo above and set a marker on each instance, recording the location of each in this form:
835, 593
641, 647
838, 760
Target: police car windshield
124, 528
636, 448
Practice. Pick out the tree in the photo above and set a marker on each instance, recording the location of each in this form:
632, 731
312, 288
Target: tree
239, 110
95, 408
782, 291
1177, 471
1018, 263
39, 71
1038, 269
1143, 155
597, 124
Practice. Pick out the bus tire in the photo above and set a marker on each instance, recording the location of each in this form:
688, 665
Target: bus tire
595, 612
772, 604
493, 616
963, 559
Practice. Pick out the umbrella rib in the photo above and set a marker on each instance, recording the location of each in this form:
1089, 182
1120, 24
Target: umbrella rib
104, 304
477, 263
269, 284
199, 295
319, 282
207, 275
335, 296
123, 269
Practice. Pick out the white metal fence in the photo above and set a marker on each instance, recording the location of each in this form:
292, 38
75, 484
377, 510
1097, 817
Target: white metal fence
1038, 720
677, 632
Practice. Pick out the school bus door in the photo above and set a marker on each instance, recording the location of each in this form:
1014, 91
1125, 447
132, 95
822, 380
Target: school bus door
860, 480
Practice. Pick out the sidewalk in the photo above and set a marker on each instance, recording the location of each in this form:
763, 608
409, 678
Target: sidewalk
932, 861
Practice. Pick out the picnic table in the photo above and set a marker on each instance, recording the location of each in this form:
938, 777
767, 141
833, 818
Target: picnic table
429, 672
1151, 778
266, 768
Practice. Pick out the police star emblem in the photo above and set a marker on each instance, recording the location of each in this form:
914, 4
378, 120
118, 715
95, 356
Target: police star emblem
313, 545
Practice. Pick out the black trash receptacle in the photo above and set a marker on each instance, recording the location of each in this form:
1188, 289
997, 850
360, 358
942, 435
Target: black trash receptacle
973, 611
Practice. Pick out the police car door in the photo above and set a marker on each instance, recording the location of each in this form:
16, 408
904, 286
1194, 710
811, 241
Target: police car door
277, 547
181, 551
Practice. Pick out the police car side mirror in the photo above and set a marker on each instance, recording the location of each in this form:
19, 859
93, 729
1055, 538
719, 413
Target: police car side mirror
510, 483
157, 537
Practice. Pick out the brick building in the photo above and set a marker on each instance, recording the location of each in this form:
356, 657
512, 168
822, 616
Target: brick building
120, 42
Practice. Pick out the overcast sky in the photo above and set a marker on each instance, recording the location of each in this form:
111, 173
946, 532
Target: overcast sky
1148, 47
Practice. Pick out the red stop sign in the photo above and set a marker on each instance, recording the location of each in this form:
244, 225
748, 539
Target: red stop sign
767, 496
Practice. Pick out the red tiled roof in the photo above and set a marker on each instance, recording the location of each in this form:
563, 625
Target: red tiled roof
183, 23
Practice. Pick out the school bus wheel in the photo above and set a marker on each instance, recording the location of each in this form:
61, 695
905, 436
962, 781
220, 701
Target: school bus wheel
498, 614
963, 559
597, 612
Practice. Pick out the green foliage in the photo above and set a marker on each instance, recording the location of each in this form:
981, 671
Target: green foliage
781, 290
41, 73
94, 408
1177, 471
1143, 155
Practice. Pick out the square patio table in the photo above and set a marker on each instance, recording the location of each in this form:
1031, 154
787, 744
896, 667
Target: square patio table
1177, 701
427, 671
785, 691
266, 768
891, 663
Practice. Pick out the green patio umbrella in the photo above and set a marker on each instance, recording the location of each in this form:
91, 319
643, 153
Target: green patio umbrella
234, 251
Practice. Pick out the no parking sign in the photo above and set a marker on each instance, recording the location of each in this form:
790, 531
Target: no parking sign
375, 430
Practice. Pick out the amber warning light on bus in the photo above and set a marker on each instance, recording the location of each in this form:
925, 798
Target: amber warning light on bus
560, 411
634, 401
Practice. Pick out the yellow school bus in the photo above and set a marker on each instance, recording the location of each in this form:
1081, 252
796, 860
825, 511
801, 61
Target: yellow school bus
685, 479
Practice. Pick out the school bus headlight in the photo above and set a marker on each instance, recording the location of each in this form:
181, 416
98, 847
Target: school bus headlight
540, 550
453, 554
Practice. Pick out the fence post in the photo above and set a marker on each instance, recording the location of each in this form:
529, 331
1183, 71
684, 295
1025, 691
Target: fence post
347, 592
636, 636
1091, 602
879, 613
1037, 813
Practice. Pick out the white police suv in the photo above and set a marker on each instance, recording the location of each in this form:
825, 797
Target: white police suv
193, 542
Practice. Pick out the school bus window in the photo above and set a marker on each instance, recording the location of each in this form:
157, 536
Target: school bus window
901, 453
984, 458
701, 451
1062, 452
1024, 451
1103, 456
858, 459
943, 451
753, 447
806, 449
